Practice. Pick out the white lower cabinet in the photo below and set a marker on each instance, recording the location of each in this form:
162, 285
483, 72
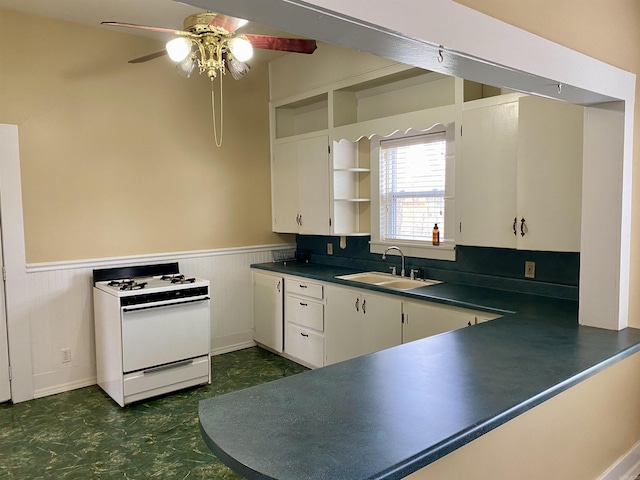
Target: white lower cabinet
268, 294
318, 324
423, 319
359, 322
304, 322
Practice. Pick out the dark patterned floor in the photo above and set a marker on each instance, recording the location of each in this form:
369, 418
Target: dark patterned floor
83, 434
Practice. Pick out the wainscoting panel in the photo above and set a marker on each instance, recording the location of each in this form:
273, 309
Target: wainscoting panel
61, 309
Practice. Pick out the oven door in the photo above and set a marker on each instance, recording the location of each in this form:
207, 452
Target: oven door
160, 334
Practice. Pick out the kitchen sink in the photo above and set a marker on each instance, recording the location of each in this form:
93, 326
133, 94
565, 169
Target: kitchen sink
387, 280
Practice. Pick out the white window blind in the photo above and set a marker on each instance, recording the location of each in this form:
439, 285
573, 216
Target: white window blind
412, 187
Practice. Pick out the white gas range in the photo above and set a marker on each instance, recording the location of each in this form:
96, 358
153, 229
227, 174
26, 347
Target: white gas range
152, 331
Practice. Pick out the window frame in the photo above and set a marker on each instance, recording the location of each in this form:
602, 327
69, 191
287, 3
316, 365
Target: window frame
416, 248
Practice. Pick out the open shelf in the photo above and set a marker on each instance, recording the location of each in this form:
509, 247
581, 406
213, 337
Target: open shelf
351, 187
408, 91
304, 116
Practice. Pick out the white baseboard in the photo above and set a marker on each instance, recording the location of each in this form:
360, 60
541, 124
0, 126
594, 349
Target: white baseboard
626, 468
45, 392
233, 348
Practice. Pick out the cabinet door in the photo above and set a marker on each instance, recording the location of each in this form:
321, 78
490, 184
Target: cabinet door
313, 185
342, 327
268, 318
486, 183
423, 320
284, 188
550, 137
358, 323
381, 325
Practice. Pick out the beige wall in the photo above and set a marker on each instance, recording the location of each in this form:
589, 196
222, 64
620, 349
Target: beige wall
119, 159
608, 31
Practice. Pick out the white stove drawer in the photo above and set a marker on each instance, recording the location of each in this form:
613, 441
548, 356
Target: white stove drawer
167, 378
160, 335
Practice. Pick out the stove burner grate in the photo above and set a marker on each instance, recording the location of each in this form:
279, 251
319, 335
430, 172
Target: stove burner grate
178, 278
133, 286
121, 283
127, 284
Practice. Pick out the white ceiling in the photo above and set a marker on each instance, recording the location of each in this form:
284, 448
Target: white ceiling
157, 13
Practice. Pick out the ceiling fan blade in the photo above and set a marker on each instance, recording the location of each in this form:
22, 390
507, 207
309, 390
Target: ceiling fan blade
230, 24
146, 58
145, 27
296, 45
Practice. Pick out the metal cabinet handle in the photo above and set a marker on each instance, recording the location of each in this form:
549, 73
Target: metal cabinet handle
303, 286
304, 334
515, 222
304, 304
522, 232
300, 219
278, 287
364, 305
357, 304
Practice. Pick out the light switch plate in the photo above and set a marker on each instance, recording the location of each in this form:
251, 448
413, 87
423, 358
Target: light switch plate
529, 269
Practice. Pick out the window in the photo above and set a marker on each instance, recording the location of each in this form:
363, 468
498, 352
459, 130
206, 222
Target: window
413, 177
412, 187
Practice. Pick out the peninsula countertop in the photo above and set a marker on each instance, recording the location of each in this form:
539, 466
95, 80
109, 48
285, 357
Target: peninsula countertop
390, 413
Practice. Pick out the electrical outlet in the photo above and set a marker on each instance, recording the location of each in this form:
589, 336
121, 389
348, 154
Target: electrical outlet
329, 248
530, 269
66, 355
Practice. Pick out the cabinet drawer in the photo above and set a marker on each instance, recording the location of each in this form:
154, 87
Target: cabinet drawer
304, 344
145, 384
305, 312
301, 287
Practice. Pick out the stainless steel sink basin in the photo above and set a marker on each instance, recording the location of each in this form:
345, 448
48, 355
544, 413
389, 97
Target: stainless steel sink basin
387, 280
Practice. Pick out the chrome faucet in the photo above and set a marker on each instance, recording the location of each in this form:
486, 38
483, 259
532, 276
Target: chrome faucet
384, 257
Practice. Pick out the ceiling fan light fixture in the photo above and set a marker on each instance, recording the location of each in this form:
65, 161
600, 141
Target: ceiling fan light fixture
240, 48
237, 69
179, 48
186, 67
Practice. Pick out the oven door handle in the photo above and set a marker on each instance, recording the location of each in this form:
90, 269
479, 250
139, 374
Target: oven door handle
162, 305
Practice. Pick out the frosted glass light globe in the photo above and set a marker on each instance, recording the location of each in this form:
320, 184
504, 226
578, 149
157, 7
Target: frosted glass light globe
241, 49
179, 49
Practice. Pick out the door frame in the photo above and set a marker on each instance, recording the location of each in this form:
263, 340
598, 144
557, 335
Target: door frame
16, 286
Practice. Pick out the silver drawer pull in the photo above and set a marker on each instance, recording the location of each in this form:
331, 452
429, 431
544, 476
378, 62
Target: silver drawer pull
171, 366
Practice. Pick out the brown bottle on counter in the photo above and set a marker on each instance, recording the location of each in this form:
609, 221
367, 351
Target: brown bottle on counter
436, 235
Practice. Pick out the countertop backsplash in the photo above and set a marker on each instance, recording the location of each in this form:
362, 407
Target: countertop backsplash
557, 273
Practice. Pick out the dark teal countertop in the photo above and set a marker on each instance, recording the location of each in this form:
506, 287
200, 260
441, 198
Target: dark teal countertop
390, 413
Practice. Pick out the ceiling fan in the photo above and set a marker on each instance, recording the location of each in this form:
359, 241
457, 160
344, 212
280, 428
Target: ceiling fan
209, 42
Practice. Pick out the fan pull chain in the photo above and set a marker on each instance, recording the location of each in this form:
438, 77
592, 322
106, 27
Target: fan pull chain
213, 112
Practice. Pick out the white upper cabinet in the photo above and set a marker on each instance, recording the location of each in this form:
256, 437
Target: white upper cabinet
520, 175
550, 135
486, 176
300, 186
